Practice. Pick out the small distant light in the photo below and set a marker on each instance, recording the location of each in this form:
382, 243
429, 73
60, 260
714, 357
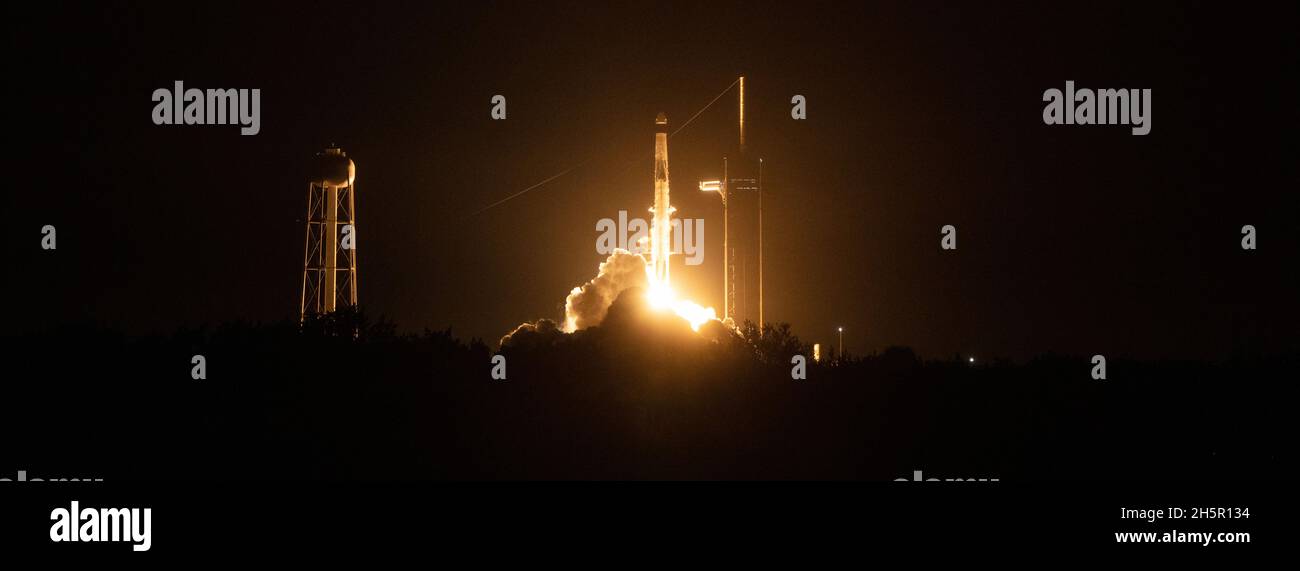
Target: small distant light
972, 359
841, 330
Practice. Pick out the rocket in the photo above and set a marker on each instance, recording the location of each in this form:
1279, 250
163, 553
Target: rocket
661, 229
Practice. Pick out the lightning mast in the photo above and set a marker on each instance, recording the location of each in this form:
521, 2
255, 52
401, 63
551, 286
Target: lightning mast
742, 114
735, 192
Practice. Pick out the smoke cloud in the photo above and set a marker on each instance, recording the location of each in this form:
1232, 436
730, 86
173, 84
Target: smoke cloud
587, 305
544, 332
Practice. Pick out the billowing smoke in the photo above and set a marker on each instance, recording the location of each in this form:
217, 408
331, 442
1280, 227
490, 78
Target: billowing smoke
586, 305
541, 333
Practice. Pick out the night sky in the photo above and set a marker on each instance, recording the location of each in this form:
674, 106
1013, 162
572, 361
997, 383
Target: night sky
1071, 239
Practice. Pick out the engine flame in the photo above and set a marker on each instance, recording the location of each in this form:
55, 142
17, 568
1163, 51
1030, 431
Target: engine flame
661, 297
659, 292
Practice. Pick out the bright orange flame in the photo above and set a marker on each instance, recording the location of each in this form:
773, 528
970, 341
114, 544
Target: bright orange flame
661, 296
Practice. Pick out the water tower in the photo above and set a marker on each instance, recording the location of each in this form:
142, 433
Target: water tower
329, 266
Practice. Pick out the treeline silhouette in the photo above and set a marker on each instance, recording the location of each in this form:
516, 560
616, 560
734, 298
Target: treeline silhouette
639, 396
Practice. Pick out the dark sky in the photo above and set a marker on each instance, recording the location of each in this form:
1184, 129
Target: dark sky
1071, 239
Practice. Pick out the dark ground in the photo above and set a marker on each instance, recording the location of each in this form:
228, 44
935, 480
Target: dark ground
638, 397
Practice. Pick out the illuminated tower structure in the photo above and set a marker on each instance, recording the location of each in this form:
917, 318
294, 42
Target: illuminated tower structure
329, 265
661, 229
744, 260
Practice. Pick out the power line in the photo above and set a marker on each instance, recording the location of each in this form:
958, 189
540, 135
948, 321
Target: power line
579, 165
697, 113
503, 200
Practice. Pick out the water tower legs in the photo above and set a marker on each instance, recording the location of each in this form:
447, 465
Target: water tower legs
329, 269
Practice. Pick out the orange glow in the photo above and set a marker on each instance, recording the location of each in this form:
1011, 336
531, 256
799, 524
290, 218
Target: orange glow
661, 297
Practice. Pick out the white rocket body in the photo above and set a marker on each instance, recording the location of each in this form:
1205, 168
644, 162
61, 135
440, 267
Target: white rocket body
661, 228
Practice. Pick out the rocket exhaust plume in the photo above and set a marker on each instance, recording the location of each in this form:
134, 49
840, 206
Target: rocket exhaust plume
660, 292
587, 305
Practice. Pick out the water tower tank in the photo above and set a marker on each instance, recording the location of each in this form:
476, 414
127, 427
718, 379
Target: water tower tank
333, 168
